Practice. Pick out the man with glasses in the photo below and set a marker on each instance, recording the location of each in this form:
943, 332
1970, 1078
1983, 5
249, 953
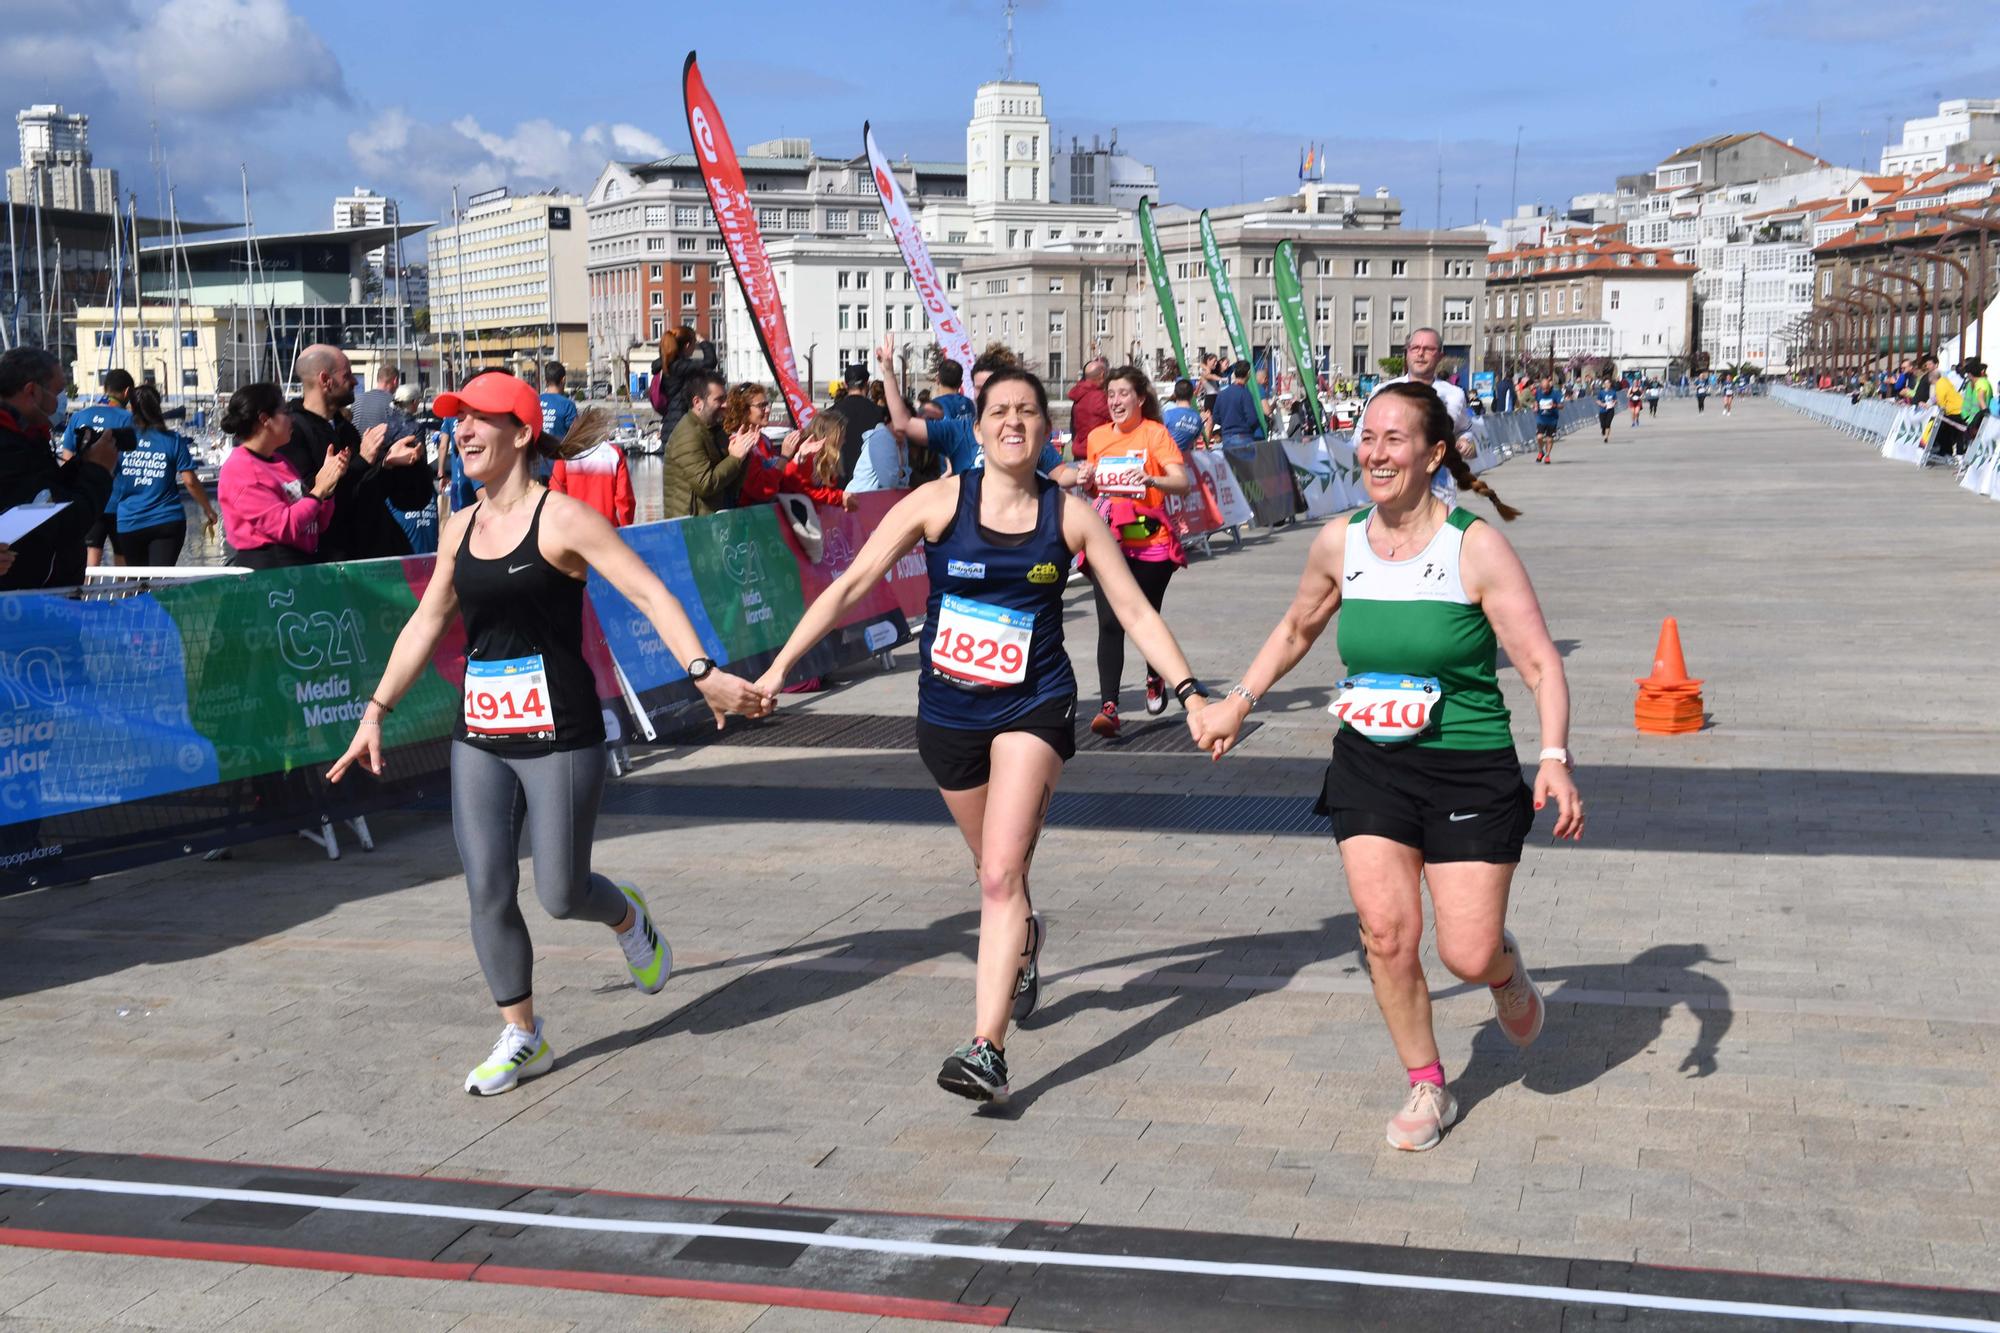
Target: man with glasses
51, 556
1421, 355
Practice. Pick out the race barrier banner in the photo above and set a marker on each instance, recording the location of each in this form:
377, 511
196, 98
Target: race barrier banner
1905, 432
1324, 470
1264, 473
946, 326
202, 714
1163, 291
736, 219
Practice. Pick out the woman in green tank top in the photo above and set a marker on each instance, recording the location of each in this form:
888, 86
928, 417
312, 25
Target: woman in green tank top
1425, 784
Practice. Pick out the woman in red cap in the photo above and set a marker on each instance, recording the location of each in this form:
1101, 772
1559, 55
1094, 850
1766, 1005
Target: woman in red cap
529, 748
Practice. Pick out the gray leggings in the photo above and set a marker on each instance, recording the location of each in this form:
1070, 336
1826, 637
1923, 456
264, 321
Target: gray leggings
554, 796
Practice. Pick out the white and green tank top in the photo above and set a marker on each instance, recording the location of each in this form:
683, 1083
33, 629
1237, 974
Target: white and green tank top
1413, 618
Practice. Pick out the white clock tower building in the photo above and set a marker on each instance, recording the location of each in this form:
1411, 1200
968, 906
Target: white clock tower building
1007, 146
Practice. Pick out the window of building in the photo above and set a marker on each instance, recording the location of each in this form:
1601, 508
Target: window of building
861, 317
1545, 301
687, 300
1322, 309
846, 317
715, 328
715, 273
687, 272
1399, 310
1576, 299
102, 338
773, 218
951, 282
659, 327
1562, 301
685, 243
190, 338
1458, 310
656, 215
659, 301
1055, 284
909, 318
1103, 323
836, 219
190, 379
686, 215
1362, 306
656, 243
954, 238
715, 245
842, 280
1361, 267
798, 219
1263, 312
715, 300
1398, 267
655, 271
1614, 298
870, 220
861, 280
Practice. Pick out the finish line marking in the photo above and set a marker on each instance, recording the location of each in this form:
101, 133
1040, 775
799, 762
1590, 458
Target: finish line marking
1002, 1255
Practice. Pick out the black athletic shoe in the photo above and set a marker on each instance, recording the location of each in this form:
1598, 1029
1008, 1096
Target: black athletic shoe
1028, 982
976, 1070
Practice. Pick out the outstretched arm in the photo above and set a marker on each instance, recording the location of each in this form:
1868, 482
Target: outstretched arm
912, 428
1297, 630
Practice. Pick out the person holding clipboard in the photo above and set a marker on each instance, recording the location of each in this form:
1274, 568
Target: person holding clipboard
1131, 465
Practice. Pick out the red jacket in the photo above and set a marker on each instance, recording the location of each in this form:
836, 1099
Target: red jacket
1088, 413
598, 477
767, 472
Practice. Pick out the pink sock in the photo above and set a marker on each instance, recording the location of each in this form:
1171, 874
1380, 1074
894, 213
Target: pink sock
1430, 1073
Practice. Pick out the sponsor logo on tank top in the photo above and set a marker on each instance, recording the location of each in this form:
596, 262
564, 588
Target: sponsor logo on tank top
965, 569
1046, 572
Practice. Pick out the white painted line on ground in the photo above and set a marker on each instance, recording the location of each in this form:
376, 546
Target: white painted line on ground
1001, 1255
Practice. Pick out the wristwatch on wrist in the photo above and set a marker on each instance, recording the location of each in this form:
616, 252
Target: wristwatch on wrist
1190, 686
699, 668
1560, 755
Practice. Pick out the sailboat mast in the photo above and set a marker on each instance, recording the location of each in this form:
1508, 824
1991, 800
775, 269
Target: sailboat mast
249, 284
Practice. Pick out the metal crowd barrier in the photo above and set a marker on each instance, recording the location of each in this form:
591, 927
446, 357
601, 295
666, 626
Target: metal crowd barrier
1904, 433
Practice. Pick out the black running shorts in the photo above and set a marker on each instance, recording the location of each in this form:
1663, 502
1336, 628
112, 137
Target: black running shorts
1452, 805
961, 758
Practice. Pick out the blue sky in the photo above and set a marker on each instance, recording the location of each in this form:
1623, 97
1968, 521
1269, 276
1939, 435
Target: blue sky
318, 97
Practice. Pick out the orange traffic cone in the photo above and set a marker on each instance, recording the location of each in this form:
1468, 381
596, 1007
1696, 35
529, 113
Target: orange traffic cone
1669, 702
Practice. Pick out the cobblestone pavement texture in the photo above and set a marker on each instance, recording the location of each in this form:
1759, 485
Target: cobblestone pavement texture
1774, 1024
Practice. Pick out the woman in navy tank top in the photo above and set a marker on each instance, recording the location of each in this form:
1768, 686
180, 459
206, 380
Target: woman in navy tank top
528, 752
996, 698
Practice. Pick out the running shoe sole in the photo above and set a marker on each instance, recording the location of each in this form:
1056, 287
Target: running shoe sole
1541, 1004
961, 1078
1105, 725
663, 956
543, 1062
1028, 982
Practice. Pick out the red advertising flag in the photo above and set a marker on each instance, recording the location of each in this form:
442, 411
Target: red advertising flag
736, 218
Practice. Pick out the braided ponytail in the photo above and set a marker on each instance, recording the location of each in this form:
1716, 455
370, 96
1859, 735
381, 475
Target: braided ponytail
1461, 472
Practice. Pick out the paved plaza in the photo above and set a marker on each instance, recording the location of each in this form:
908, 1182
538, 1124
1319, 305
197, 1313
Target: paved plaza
1774, 1031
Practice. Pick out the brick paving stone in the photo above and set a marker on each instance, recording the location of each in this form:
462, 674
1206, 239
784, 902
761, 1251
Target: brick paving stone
1774, 1031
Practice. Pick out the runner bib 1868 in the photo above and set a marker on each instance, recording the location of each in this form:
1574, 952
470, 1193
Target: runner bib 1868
1386, 707
508, 698
1119, 474
980, 646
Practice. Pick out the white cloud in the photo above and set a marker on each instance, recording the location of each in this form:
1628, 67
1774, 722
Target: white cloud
426, 159
210, 56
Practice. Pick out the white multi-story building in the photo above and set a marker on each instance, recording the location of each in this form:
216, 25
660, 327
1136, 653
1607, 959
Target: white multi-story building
1965, 131
1589, 298
1100, 174
507, 281
657, 262
55, 169
365, 208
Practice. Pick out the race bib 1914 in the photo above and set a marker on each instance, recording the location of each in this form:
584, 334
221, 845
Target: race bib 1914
980, 646
508, 698
1387, 707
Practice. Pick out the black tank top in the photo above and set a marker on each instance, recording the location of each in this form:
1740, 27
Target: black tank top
528, 690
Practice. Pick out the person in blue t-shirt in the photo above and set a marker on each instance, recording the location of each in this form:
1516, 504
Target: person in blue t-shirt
951, 438
152, 521
110, 414
1235, 410
1548, 417
558, 408
1182, 418
1607, 407
950, 402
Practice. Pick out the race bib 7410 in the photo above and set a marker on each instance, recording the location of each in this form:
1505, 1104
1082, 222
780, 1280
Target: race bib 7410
1386, 707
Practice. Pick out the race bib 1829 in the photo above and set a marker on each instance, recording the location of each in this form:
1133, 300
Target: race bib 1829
508, 698
1387, 707
980, 646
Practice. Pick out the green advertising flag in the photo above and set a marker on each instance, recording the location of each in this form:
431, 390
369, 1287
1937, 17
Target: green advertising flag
1157, 265
1292, 303
1232, 319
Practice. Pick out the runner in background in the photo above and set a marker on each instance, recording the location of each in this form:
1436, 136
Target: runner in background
950, 400
1635, 395
996, 697
528, 753
1607, 407
1132, 463
1700, 394
1728, 395
1424, 785
1548, 420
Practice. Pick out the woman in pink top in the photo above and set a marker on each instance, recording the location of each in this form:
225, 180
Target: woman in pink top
270, 516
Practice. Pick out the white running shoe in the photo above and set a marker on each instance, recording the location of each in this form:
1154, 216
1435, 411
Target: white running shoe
1517, 1003
517, 1055
647, 954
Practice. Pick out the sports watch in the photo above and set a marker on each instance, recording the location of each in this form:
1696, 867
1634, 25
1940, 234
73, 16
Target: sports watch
699, 668
1190, 686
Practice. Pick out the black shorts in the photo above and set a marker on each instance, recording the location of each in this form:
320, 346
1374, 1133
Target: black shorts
1452, 805
961, 759
156, 546
1604, 418
102, 531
